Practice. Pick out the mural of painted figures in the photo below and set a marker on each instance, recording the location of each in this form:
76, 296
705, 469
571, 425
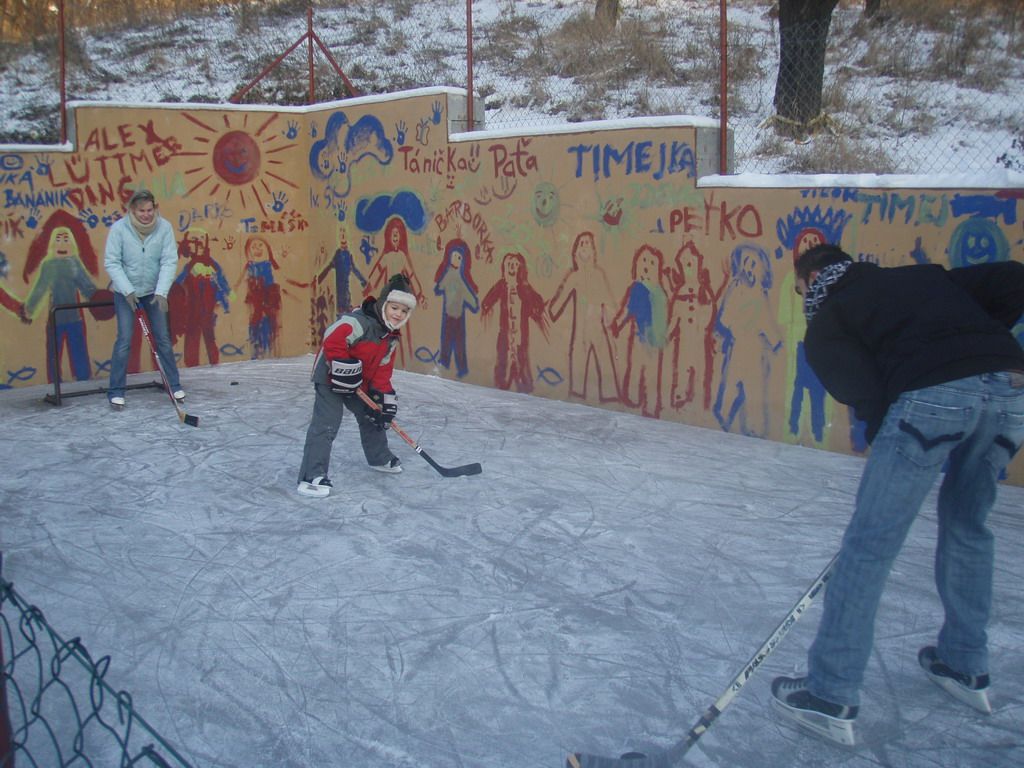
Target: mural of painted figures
518, 304
644, 308
65, 258
691, 326
195, 295
805, 383
263, 297
344, 267
586, 288
454, 284
750, 342
394, 259
8, 300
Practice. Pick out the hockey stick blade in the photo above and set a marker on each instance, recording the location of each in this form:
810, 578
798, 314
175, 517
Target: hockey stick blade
184, 418
464, 470
629, 760
674, 754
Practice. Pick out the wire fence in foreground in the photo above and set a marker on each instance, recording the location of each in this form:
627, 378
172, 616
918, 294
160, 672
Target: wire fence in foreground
56, 709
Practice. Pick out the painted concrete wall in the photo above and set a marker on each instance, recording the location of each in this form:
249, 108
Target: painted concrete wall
597, 262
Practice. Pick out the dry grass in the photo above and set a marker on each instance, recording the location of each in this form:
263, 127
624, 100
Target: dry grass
582, 69
836, 154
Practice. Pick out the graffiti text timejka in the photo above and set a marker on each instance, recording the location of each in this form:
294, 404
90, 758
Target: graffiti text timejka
637, 157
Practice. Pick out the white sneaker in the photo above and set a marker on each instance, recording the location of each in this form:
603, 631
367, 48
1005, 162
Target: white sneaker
179, 395
317, 488
392, 467
117, 403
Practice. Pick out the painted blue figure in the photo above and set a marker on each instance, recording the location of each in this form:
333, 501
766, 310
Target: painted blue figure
454, 283
798, 232
344, 267
644, 308
750, 342
806, 380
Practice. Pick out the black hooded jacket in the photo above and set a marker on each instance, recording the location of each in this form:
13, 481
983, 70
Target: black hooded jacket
884, 331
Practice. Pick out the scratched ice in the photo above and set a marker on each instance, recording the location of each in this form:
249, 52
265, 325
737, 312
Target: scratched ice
596, 588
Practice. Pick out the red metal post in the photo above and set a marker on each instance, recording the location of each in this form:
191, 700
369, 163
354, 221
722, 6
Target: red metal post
723, 67
470, 122
63, 85
309, 36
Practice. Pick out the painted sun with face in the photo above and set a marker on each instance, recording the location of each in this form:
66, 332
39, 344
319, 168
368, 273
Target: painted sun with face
240, 161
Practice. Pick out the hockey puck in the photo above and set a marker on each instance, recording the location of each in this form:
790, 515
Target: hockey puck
234, 383
632, 756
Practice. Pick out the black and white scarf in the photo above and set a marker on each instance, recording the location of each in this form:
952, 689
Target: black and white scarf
817, 291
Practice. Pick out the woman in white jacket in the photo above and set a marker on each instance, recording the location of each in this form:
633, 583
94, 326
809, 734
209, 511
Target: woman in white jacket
141, 258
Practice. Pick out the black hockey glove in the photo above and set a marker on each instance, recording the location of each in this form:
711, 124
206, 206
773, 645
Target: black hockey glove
388, 402
346, 376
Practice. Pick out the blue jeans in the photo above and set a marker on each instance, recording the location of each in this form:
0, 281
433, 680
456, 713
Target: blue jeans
974, 426
127, 325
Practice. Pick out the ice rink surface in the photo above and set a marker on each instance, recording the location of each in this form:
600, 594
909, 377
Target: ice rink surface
594, 589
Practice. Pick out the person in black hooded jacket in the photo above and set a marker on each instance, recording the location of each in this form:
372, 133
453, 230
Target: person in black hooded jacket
926, 358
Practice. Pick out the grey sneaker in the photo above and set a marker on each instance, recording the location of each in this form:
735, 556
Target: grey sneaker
793, 701
393, 467
972, 690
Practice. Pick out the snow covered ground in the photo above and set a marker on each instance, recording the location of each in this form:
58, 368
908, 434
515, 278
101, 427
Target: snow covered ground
594, 589
893, 106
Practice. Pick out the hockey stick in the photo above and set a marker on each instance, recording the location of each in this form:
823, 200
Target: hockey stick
192, 421
675, 753
465, 469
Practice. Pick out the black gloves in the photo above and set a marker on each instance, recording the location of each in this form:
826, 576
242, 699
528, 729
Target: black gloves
388, 402
346, 376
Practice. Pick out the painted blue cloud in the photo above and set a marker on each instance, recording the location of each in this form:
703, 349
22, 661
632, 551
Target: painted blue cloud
366, 138
325, 152
373, 213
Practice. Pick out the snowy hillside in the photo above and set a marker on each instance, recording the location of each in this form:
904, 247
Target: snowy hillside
899, 98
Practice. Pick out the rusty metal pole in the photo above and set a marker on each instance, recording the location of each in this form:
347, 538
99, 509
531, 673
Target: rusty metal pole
63, 66
470, 122
309, 36
723, 67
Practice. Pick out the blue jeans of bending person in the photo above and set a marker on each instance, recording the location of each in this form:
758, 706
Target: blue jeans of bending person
127, 326
973, 426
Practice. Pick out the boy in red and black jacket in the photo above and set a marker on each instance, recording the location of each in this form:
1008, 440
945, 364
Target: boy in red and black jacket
358, 352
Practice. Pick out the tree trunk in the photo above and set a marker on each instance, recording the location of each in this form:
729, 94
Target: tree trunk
803, 35
871, 8
607, 12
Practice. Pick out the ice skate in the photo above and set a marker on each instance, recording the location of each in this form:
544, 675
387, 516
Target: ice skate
793, 701
972, 690
317, 488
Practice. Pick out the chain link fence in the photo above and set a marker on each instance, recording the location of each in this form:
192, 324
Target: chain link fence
897, 95
56, 708
916, 88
